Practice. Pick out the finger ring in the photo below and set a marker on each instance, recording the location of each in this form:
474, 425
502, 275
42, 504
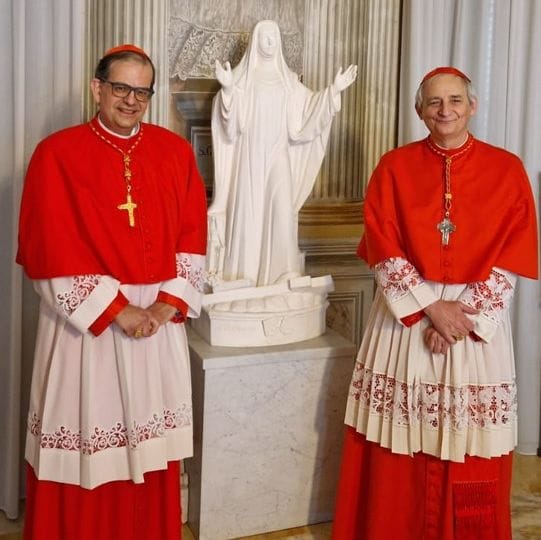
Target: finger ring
459, 338
138, 333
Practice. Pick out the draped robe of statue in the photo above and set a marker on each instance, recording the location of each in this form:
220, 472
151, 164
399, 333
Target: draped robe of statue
269, 137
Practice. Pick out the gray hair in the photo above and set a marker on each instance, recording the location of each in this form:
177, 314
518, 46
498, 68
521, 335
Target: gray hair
470, 93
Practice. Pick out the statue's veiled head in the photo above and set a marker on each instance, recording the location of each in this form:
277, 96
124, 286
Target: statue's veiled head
268, 43
264, 48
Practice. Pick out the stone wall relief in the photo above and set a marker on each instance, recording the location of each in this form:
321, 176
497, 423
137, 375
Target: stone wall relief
203, 31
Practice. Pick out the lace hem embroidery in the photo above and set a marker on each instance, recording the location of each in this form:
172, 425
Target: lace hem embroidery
80, 290
436, 405
491, 296
396, 278
116, 436
191, 272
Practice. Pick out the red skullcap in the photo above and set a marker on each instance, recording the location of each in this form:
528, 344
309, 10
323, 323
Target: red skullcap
127, 47
444, 69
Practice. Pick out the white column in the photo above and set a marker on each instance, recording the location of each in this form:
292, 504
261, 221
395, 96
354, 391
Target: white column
339, 33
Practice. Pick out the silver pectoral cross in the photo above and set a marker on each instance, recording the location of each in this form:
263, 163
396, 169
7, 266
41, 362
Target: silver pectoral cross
446, 226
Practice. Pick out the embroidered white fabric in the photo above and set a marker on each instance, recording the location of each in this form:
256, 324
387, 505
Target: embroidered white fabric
70, 293
436, 405
396, 278
493, 296
80, 287
408, 399
190, 268
90, 395
117, 436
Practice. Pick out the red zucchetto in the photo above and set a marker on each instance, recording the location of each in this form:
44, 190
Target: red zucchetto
127, 47
445, 69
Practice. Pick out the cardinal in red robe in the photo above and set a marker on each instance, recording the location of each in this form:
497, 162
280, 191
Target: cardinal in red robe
113, 235
432, 407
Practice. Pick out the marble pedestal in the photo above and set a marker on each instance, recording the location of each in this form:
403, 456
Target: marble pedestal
268, 429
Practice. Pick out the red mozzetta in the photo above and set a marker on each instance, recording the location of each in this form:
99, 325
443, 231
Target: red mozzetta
404, 204
77, 227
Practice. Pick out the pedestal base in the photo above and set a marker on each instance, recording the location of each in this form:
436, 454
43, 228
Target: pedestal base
268, 429
288, 312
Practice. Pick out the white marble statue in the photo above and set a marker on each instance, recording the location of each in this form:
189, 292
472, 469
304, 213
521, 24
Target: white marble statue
269, 136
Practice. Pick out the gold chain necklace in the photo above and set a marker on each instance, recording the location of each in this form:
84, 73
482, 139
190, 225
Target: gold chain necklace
446, 226
129, 205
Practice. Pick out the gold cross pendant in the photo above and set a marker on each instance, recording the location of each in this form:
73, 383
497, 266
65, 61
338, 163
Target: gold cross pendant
129, 206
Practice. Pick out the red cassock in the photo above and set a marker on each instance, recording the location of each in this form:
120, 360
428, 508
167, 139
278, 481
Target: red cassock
110, 416
429, 437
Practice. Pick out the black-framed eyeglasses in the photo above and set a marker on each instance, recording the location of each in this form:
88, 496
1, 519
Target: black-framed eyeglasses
123, 90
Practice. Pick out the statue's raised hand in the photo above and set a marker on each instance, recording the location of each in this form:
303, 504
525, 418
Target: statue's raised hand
343, 79
224, 74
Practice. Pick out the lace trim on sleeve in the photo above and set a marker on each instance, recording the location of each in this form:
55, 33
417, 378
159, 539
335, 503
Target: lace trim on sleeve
189, 270
81, 287
491, 297
397, 277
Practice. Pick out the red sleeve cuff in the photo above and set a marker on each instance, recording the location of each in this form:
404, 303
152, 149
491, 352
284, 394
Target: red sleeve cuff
410, 320
108, 316
475, 337
182, 307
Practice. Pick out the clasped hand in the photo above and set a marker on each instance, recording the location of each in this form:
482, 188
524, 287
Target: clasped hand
449, 324
138, 322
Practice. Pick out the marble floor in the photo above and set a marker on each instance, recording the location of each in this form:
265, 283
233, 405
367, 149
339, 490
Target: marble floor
526, 511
